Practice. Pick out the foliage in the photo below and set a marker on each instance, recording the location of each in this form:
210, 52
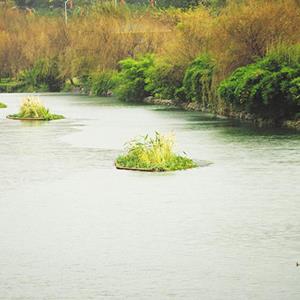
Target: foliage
177, 3
43, 76
26, 38
215, 5
8, 85
50, 4
100, 83
38, 4
115, 35
269, 88
164, 80
245, 30
32, 108
153, 154
130, 82
191, 35
235, 33
198, 79
2, 105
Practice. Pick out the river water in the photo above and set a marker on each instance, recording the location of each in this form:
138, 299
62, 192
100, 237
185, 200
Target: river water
74, 227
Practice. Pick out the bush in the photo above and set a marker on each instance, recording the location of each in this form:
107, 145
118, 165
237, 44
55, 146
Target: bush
153, 154
100, 83
164, 80
269, 88
9, 85
43, 76
130, 82
2, 105
197, 81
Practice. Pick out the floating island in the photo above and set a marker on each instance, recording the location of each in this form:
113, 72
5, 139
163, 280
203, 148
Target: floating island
153, 154
32, 109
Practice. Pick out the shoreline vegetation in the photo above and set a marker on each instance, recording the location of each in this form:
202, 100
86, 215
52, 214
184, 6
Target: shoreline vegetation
153, 154
2, 105
32, 109
241, 116
239, 59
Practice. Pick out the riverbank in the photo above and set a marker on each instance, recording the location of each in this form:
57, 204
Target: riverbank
242, 116
237, 63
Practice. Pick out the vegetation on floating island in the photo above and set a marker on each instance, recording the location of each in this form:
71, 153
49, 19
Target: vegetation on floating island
153, 154
32, 108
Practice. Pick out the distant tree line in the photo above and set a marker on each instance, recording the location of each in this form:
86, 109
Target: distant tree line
39, 3
44, 4
181, 3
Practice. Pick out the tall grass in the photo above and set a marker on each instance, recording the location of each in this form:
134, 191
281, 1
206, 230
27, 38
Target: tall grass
32, 108
191, 35
153, 153
285, 53
28, 38
95, 39
244, 31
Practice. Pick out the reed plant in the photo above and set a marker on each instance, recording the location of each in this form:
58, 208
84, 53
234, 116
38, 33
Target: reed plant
32, 108
153, 154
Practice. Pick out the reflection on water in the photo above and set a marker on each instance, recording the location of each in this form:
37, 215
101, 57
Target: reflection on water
74, 227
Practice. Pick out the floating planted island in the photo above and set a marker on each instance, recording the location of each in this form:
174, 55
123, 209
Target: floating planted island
153, 154
33, 109
2, 105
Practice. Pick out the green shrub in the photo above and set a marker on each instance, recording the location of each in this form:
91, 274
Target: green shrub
2, 105
130, 81
153, 154
197, 81
100, 83
9, 85
43, 77
164, 80
268, 88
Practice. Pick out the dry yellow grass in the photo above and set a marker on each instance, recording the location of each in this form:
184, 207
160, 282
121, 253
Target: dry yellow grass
100, 37
191, 35
93, 41
244, 32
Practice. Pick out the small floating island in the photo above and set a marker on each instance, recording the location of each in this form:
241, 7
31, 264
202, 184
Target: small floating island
153, 154
32, 109
2, 105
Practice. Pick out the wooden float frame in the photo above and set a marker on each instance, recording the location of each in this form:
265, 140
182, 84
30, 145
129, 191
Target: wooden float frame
139, 169
26, 119
200, 164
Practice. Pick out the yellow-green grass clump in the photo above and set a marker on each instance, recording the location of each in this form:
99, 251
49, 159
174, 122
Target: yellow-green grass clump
33, 109
153, 154
2, 105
